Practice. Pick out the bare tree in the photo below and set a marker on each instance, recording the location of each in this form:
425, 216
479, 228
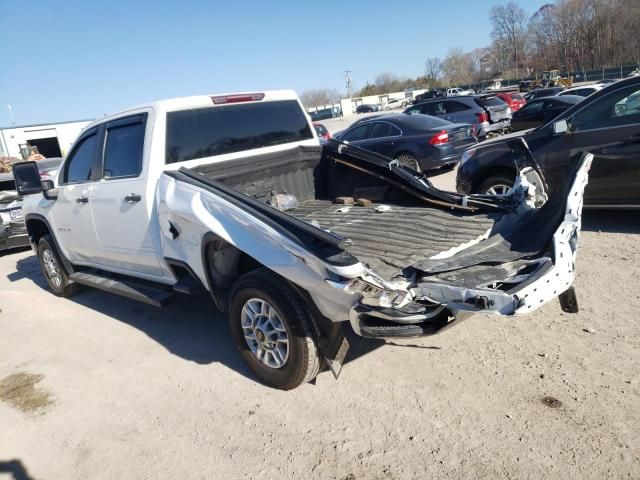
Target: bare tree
433, 67
386, 82
510, 30
457, 67
319, 97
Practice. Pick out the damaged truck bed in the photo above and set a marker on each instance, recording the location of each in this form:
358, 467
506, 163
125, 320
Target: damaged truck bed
426, 255
235, 196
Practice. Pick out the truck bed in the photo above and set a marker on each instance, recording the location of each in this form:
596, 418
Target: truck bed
387, 241
392, 240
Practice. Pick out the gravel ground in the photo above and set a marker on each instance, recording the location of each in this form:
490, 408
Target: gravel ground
102, 387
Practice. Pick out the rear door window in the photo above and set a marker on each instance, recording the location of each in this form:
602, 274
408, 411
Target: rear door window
357, 133
434, 108
380, 130
80, 165
453, 107
123, 149
209, 131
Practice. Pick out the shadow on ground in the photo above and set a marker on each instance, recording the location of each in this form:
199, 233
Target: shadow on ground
191, 327
614, 221
16, 469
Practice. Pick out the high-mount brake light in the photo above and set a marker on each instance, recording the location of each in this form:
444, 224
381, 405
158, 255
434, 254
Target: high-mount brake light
243, 97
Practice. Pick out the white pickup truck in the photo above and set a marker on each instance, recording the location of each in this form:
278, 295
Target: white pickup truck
456, 92
233, 195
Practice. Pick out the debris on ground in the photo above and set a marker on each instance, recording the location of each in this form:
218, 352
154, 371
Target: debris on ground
552, 402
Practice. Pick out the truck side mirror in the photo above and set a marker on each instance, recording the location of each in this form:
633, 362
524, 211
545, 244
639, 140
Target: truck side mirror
49, 190
27, 178
560, 127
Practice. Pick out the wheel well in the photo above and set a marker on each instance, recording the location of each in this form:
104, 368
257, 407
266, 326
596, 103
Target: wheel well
404, 152
490, 172
36, 229
224, 264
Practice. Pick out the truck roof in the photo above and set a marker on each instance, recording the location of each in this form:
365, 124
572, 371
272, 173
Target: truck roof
199, 101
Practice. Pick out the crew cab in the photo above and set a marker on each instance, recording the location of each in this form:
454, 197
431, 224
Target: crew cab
233, 195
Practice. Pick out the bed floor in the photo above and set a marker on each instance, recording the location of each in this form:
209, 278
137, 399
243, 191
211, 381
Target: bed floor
403, 236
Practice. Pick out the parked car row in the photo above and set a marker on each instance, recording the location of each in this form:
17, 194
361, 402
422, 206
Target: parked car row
419, 142
486, 113
557, 123
606, 124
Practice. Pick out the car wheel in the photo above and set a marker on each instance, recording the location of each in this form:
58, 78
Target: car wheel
53, 270
496, 185
272, 330
408, 160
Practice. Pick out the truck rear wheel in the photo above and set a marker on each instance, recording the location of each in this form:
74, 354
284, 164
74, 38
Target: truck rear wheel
272, 330
53, 270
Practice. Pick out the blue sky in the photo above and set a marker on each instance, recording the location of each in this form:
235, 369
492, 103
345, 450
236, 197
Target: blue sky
66, 59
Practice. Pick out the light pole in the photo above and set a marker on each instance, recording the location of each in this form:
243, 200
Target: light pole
13, 122
347, 76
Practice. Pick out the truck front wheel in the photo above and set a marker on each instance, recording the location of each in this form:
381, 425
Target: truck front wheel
53, 269
272, 330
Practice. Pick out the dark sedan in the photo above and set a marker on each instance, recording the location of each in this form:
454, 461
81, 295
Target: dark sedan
543, 92
366, 108
420, 142
606, 124
540, 111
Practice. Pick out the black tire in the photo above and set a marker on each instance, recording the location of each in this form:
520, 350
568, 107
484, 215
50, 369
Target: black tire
303, 361
494, 181
407, 160
57, 280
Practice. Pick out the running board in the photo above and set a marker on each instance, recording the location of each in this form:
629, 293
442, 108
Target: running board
135, 290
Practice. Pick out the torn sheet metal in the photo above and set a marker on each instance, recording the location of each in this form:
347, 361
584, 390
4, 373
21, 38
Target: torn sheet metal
547, 280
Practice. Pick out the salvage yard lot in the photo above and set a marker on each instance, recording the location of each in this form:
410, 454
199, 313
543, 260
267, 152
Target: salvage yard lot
129, 391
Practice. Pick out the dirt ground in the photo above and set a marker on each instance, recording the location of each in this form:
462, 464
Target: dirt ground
102, 387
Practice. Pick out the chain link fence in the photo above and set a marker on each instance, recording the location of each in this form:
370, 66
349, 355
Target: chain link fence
613, 73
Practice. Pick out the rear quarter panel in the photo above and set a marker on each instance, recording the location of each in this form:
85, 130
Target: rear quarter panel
195, 212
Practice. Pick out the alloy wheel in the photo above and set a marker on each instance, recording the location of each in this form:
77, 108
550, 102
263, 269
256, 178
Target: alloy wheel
265, 332
51, 267
499, 189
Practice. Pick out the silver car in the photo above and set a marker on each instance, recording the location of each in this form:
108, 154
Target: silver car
13, 233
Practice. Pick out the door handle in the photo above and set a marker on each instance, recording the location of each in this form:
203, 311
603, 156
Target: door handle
132, 198
82, 200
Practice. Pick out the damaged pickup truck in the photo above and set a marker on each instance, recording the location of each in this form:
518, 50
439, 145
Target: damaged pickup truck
233, 195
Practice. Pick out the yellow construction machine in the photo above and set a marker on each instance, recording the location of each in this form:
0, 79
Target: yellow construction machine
552, 78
